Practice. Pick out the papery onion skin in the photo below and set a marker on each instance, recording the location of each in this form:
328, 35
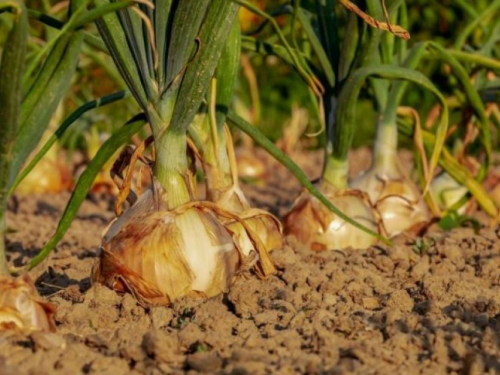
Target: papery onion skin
21, 307
160, 255
316, 226
262, 223
266, 228
396, 198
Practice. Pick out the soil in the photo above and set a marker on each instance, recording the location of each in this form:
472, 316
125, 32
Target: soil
428, 305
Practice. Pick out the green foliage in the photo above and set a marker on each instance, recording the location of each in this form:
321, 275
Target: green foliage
11, 69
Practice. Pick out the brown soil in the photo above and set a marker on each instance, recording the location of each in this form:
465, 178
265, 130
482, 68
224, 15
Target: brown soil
430, 306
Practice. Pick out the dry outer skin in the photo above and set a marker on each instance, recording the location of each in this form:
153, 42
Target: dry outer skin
431, 307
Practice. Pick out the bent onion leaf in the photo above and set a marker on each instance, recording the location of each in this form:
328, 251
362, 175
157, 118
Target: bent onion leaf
474, 100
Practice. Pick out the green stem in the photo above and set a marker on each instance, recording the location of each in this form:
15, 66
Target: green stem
335, 172
216, 165
171, 167
217, 169
386, 143
336, 164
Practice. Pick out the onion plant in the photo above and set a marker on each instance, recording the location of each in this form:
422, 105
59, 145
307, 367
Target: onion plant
342, 68
168, 243
395, 196
474, 61
25, 112
29, 96
353, 64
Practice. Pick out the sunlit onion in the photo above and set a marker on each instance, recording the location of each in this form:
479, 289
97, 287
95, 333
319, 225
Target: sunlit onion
395, 196
160, 255
22, 308
47, 176
317, 227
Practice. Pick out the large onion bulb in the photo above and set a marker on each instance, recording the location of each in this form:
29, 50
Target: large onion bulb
22, 308
317, 227
160, 255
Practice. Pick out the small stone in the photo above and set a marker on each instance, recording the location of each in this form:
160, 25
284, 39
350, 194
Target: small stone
370, 303
481, 320
204, 362
161, 316
162, 347
48, 340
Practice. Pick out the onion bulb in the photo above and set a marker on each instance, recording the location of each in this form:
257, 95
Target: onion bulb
48, 176
250, 165
252, 220
22, 308
159, 255
395, 196
446, 191
231, 198
316, 226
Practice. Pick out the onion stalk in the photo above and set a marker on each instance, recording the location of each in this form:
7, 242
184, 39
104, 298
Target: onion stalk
216, 152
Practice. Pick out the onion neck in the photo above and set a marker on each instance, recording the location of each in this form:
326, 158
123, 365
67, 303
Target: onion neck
386, 145
335, 173
171, 167
217, 168
217, 156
